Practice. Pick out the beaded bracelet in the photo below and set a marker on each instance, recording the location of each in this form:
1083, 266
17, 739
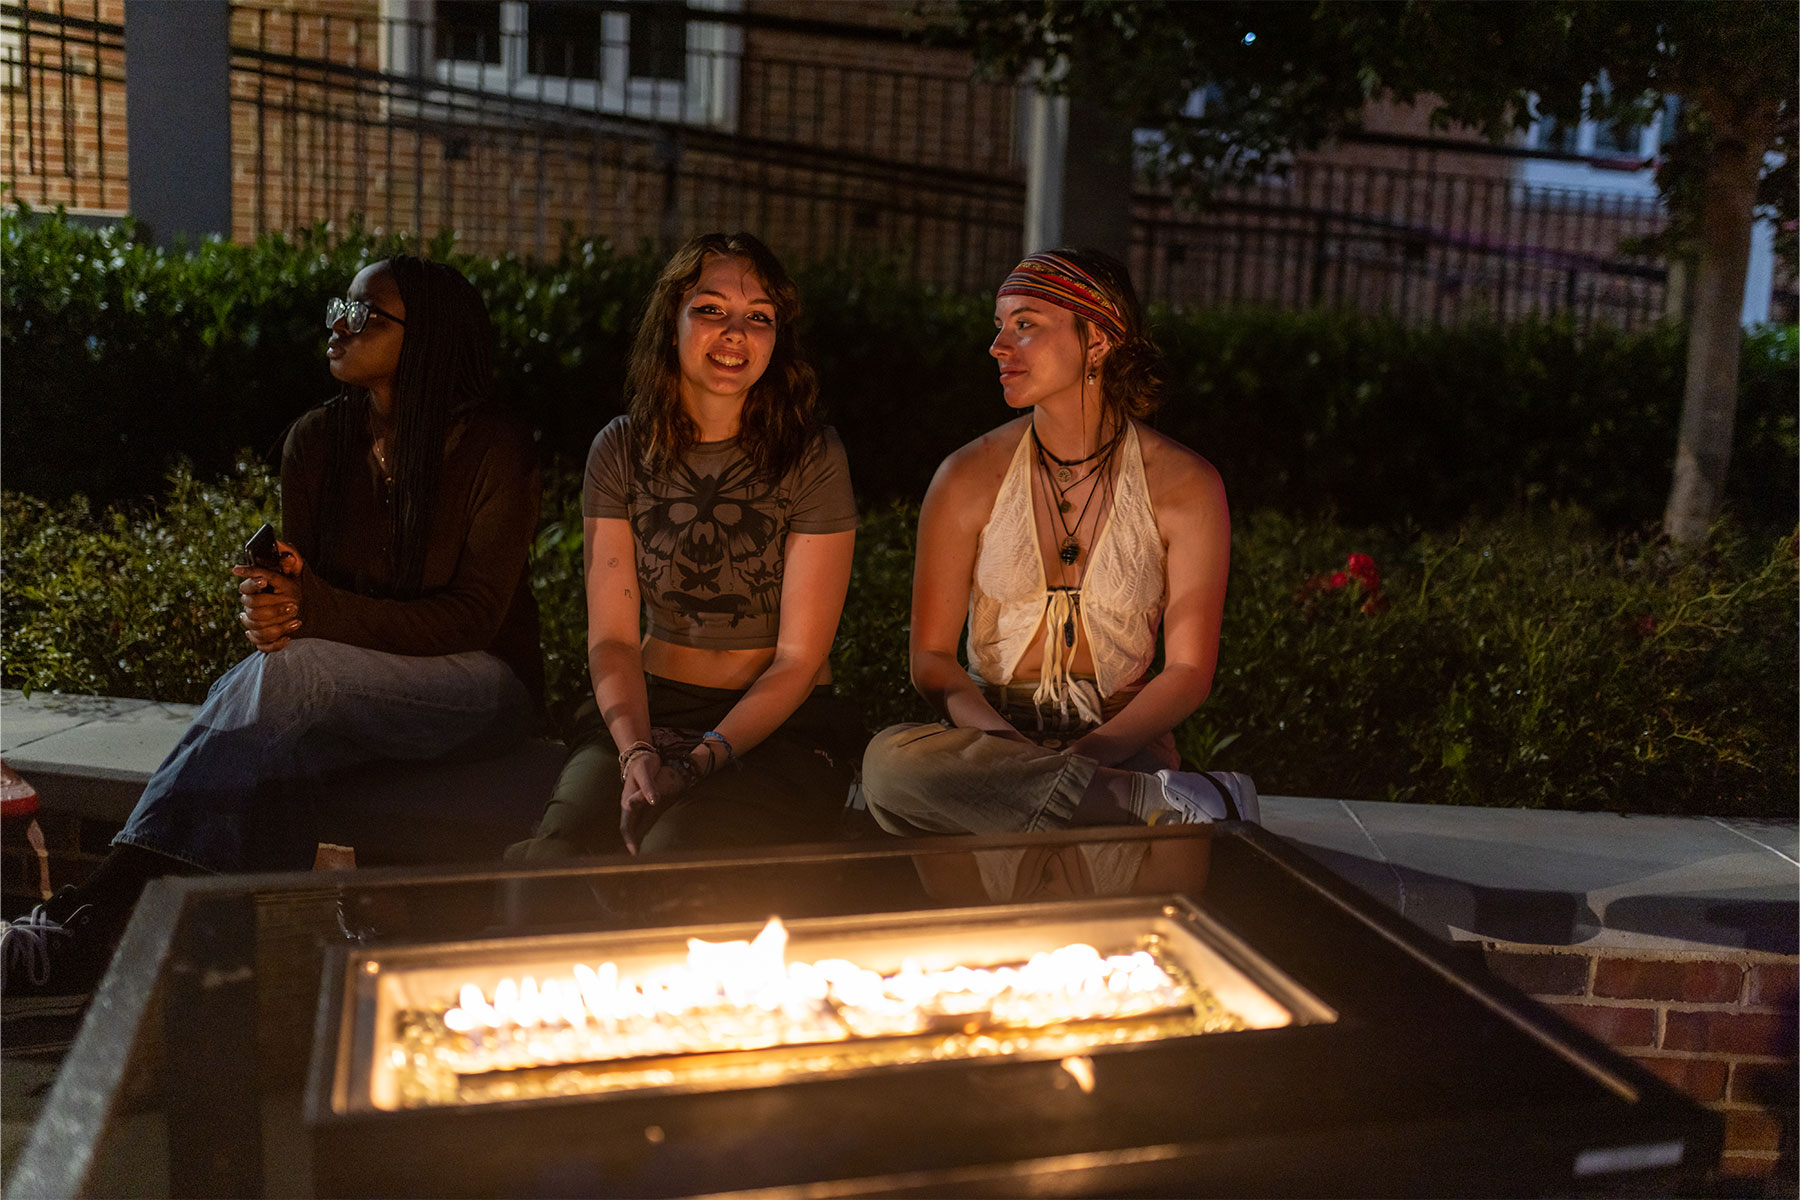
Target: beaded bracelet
713, 735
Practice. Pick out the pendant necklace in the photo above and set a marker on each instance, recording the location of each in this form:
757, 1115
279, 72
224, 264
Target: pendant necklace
381, 439
1065, 472
1065, 476
1069, 549
1062, 490
1066, 553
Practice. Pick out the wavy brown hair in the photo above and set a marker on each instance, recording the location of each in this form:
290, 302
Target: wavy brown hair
780, 417
1132, 382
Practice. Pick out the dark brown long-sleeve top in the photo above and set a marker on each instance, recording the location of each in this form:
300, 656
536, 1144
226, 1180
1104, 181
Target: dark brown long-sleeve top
475, 593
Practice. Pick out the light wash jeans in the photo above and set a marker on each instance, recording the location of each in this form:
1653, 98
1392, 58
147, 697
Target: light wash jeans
238, 793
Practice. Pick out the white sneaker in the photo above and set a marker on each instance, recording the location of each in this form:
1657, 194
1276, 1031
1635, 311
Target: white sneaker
1197, 797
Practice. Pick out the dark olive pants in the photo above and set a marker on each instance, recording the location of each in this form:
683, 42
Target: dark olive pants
791, 788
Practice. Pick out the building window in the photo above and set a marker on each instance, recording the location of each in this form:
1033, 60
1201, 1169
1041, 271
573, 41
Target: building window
1628, 154
467, 32
641, 58
563, 40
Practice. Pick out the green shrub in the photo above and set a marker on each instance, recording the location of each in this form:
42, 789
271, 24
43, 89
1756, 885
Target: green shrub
869, 657
129, 603
558, 585
121, 358
1528, 660
1523, 661
1382, 423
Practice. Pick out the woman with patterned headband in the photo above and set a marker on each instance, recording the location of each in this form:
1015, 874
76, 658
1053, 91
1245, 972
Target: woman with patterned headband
1068, 538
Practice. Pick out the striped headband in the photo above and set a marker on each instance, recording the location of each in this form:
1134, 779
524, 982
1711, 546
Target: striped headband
1054, 278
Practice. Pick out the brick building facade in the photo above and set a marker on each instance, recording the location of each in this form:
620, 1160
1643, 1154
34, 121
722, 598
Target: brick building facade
815, 123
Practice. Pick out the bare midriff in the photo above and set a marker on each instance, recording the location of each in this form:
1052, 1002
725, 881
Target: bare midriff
732, 669
1029, 668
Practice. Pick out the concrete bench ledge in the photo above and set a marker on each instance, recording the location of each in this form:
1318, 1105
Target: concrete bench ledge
90, 756
1594, 881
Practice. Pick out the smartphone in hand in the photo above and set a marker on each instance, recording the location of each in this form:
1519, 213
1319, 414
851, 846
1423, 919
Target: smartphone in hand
261, 551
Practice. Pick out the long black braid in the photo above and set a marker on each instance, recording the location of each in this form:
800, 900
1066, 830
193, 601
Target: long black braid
445, 370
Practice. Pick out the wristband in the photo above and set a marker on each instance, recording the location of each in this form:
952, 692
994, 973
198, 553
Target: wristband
713, 735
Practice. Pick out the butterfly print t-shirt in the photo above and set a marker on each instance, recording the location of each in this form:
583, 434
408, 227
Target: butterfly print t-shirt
711, 536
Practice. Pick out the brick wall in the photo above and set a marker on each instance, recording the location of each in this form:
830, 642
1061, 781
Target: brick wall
63, 104
1719, 1025
309, 146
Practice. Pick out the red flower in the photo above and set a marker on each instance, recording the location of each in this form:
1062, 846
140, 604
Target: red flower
1375, 604
1362, 569
1338, 580
1646, 625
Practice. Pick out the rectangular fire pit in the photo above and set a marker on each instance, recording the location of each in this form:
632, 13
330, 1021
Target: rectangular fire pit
1172, 1012
711, 1010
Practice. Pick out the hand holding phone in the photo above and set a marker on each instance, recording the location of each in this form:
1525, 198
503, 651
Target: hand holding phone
268, 574
261, 551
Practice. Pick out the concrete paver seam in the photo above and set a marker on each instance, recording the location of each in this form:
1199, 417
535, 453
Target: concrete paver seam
1754, 842
1399, 880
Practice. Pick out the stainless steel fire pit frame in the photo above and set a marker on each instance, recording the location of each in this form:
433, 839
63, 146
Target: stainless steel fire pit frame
1436, 1079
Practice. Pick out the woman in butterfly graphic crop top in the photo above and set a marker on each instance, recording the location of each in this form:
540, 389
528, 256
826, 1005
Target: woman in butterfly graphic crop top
722, 510
1068, 539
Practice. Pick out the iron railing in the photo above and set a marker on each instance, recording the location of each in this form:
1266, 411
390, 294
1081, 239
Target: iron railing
1438, 243
822, 139
820, 158
62, 93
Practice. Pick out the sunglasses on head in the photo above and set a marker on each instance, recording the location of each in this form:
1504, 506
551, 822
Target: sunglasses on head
354, 314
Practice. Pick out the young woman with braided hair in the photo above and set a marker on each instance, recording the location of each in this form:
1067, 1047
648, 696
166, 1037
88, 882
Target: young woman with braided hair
400, 625
719, 509
1066, 539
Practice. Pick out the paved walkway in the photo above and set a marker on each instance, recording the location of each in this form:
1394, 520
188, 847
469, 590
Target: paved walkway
1593, 880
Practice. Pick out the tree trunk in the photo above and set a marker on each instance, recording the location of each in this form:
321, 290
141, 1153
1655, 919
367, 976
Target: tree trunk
1709, 400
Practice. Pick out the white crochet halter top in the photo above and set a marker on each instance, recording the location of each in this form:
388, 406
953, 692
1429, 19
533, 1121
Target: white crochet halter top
1118, 607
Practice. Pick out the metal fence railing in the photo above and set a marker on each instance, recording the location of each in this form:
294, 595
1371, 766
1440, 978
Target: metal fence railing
422, 128
62, 94
1425, 245
655, 121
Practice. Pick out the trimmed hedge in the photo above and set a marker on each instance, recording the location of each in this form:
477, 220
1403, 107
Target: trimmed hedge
121, 359
1514, 649
1529, 660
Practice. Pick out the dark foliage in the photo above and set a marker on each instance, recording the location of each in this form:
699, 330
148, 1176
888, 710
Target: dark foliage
1528, 661
121, 360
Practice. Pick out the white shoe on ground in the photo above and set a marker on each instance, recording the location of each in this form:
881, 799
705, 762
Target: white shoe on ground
1196, 797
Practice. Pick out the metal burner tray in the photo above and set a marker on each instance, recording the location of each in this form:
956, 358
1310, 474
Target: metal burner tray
373, 990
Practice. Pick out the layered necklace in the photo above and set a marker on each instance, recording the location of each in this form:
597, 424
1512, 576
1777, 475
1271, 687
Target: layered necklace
1062, 479
382, 441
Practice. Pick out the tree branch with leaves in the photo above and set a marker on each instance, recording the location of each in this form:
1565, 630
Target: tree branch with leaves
1278, 78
